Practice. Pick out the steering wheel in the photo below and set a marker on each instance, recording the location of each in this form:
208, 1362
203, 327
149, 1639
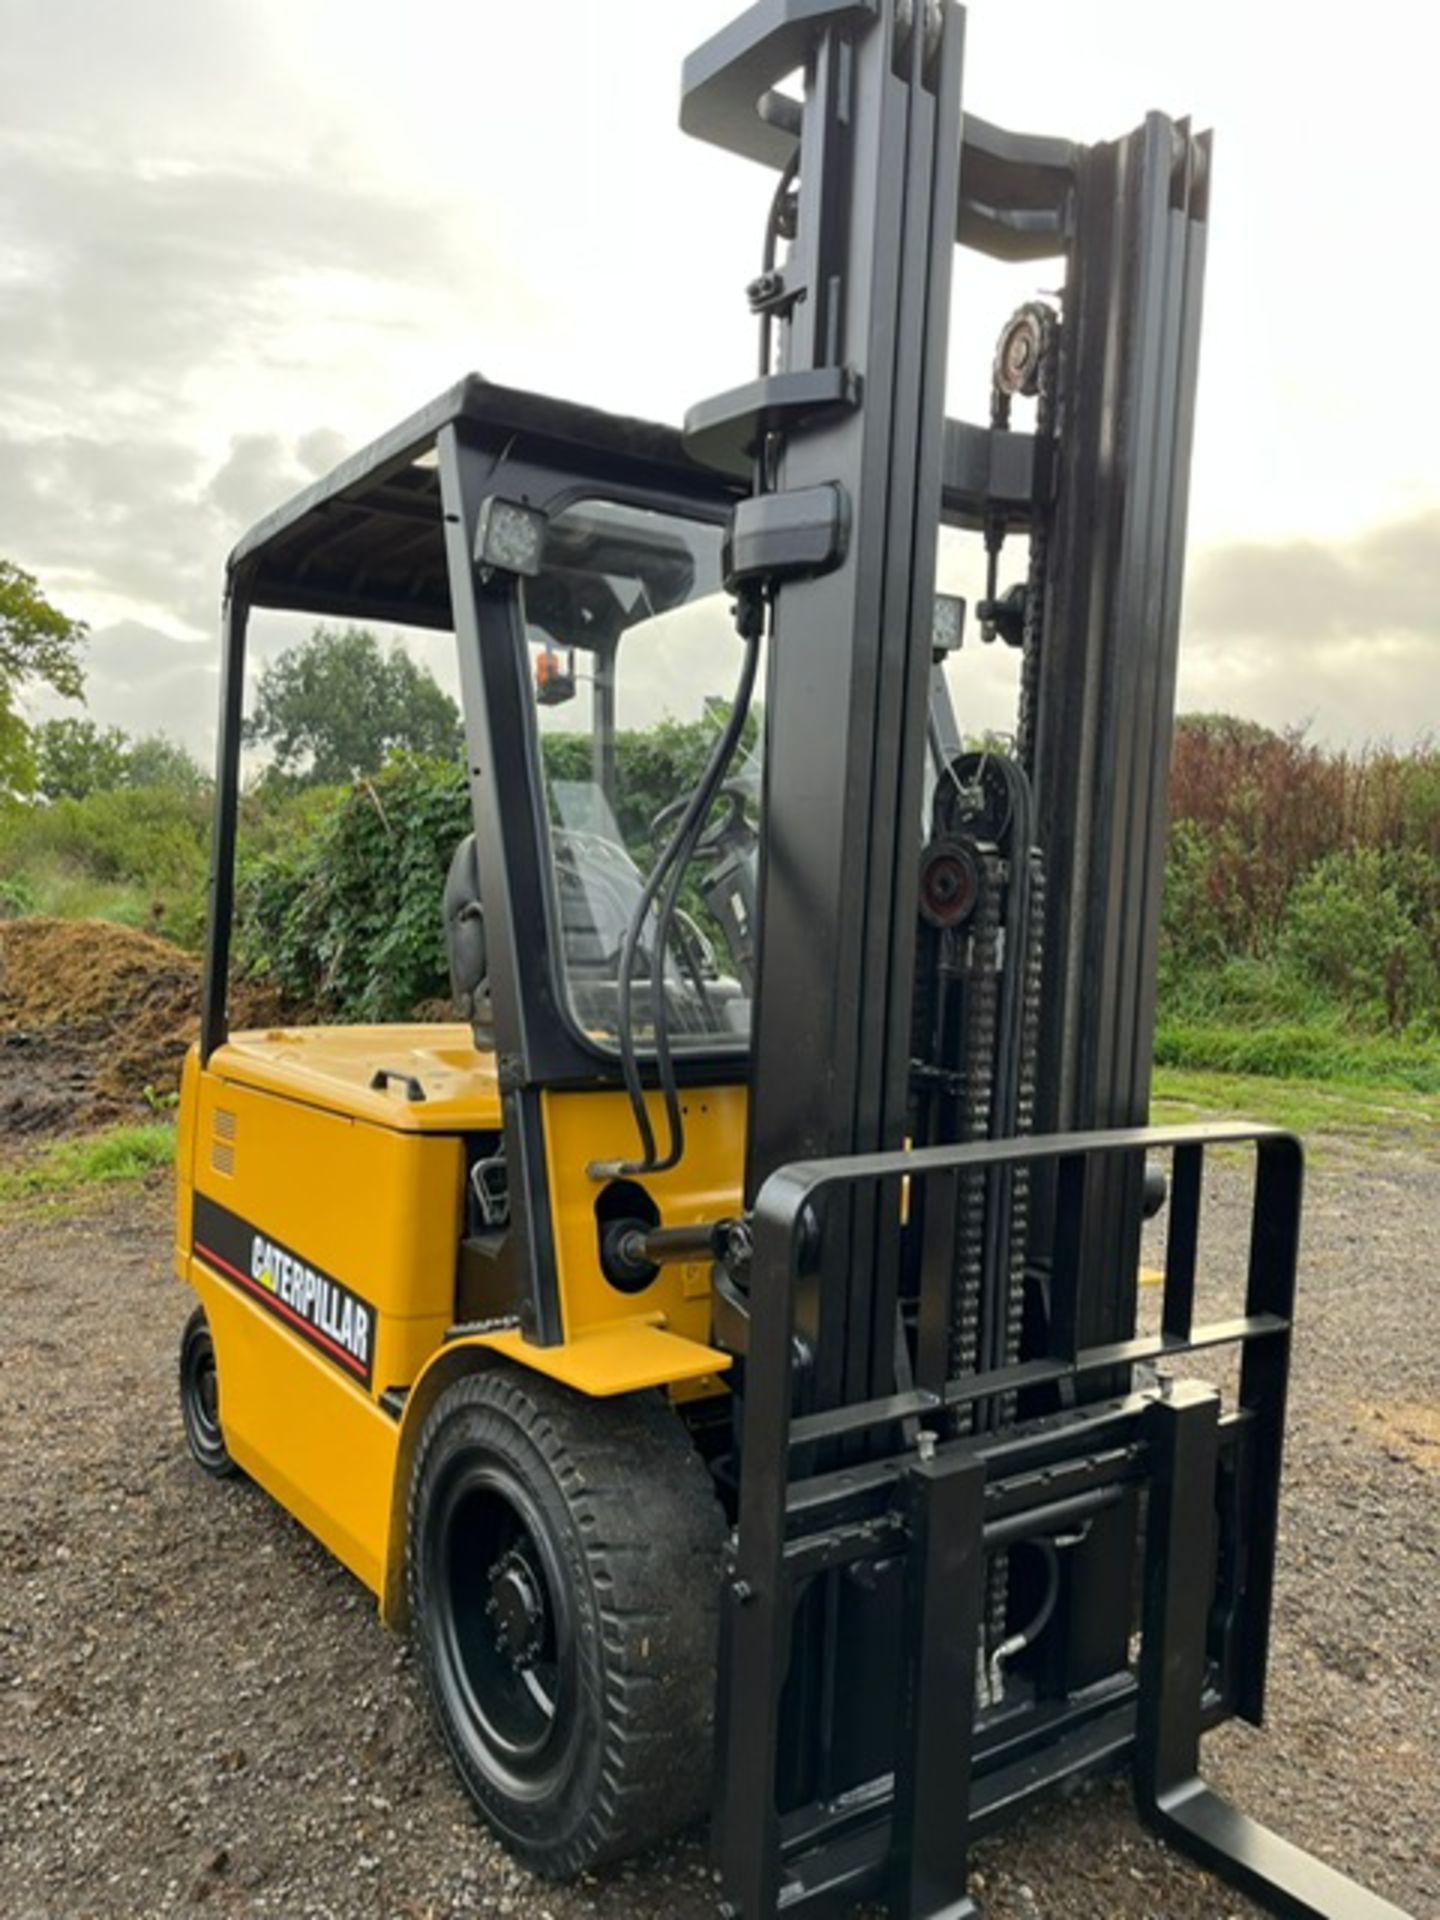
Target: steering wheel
725, 829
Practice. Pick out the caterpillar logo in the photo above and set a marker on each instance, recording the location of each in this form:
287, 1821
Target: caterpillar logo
313, 1304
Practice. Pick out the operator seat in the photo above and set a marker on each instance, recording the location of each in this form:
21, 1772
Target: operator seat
465, 940
598, 888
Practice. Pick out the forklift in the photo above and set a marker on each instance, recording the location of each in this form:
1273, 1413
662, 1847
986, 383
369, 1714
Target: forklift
722, 1349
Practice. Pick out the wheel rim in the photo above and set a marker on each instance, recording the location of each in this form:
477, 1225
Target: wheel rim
207, 1396
504, 1627
202, 1398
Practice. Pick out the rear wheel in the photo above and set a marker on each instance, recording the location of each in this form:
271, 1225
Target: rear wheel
563, 1565
200, 1398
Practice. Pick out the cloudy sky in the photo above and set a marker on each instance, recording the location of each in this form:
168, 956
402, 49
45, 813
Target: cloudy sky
240, 237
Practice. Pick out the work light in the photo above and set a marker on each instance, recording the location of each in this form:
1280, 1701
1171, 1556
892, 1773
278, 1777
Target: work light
509, 537
948, 629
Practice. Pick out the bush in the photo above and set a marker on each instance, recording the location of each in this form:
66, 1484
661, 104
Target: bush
17, 897
339, 891
1300, 919
1243, 991
1363, 927
1302, 891
1194, 923
156, 835
138, 856
348, 918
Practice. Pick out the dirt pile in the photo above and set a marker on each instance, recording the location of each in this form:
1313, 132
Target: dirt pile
91, 1016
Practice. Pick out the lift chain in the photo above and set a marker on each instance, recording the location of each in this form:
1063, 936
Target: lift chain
1025, 1109
1045, 406
998, 1578
979, 971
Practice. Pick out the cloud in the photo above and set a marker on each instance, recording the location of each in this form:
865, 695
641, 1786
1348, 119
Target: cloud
119, 74
146, 680
321, 450
146, 521
142, 303
127, 279
259, 472
1385, 580
238, 238
1344, 634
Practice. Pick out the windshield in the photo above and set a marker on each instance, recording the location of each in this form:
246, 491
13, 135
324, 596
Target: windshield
635, 660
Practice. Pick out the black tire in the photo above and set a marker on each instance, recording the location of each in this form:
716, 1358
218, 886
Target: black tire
563, 1561
200, 1399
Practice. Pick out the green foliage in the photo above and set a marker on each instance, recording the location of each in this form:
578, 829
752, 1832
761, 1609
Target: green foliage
1323, 1048
1242, 991
1193, 922
336, 707
1301, 911
653, 767
155, 760
144, 834
1279, 955
37, 642
17, 897
117, 1155
345, 915
1364, 926
137, 855
17, 760
1301, 918
1367, 1106
75, 758
349, 920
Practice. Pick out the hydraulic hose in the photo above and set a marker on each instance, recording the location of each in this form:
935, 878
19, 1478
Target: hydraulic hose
671, 868
1034, 1627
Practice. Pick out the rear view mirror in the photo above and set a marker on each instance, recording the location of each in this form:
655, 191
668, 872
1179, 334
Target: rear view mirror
554, 679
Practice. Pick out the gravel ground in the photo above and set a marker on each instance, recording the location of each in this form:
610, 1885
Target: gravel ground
201, 1711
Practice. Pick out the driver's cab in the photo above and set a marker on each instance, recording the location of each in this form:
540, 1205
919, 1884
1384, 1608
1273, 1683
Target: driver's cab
634, 660
454, 1176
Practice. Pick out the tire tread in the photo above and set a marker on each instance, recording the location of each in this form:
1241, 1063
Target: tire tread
650, 1530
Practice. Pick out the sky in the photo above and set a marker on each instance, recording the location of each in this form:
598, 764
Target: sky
239, 238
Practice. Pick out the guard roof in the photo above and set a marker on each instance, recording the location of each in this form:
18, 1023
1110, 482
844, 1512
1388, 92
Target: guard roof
366, 542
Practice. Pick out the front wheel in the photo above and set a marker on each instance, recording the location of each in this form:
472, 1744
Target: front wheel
563, 1566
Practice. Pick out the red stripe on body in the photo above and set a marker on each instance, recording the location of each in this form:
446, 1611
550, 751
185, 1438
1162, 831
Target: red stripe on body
273, 1300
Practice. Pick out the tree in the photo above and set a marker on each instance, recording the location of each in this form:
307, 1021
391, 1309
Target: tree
337, 706
37, 642
75, 758
158, 761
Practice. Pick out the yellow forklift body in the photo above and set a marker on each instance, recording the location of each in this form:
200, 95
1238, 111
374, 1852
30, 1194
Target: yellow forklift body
318, 1221
332, 1068
582, 1127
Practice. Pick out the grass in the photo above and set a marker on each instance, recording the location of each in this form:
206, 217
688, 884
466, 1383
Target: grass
1310, 1069
1362, 1110
60, 891
63, 1173
63, 1176
1320, 1050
